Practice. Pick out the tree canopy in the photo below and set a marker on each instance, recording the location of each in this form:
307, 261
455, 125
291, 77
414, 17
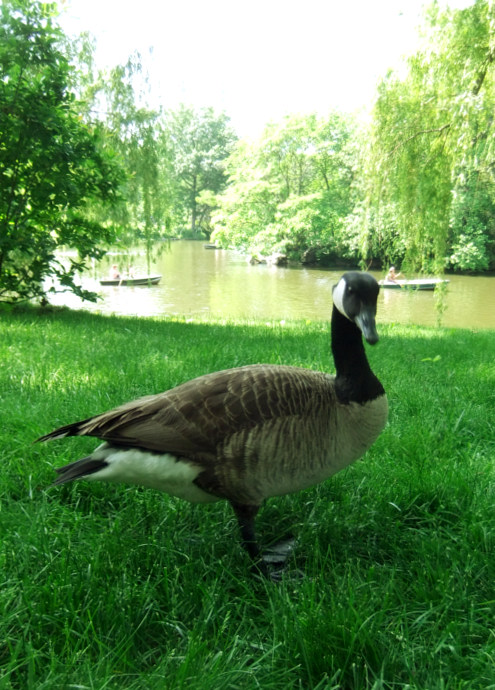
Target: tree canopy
292, 190
136, 132
200, 141
430, 166
53, 166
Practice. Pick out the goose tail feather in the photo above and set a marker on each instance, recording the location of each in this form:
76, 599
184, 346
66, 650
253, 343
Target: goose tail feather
78, 469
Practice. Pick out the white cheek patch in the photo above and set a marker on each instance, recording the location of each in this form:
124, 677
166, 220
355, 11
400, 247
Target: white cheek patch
338, 296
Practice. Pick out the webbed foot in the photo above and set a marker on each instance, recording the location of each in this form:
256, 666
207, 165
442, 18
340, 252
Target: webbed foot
273, 562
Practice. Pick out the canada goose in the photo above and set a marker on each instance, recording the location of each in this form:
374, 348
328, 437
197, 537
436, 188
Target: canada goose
248, 433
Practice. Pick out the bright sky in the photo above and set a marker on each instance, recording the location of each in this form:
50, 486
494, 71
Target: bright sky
256, 59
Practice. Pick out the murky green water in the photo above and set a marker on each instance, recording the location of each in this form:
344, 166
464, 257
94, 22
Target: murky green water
198, 281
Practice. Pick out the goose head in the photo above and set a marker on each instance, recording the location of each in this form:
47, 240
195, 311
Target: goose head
355, 297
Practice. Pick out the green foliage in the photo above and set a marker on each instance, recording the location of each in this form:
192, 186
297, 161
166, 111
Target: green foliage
469, 252
473, 222
106, 586
137, 133
291, 190
199, 142
52, 165
431, 142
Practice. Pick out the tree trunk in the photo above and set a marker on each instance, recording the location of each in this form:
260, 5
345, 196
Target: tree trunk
194, 205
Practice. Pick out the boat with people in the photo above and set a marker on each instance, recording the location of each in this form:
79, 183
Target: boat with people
129, 281
414, 284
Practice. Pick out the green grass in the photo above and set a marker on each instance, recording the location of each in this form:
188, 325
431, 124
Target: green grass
117, 587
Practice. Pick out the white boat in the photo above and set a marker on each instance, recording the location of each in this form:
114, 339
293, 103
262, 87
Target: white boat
415, 284
130, 281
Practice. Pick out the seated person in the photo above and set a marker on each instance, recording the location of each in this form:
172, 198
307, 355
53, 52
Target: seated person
392, 275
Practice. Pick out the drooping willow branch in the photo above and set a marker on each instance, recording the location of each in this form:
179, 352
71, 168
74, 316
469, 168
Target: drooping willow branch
484, 69
433, 130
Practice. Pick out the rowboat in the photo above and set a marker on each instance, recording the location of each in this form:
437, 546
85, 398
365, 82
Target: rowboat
415, 284
129, 282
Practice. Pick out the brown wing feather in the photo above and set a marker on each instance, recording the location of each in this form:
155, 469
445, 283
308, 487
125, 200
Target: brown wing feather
197, 415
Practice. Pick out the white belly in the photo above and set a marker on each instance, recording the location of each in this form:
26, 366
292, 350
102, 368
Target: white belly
166, 472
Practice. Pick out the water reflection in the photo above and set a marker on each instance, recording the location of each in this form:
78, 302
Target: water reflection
197, 281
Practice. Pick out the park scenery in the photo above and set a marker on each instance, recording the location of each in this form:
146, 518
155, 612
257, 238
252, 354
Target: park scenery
289, 382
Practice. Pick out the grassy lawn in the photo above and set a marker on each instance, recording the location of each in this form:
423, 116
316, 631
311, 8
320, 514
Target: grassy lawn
116, 587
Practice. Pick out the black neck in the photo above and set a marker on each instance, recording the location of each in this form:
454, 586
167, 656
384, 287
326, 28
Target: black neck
355, 382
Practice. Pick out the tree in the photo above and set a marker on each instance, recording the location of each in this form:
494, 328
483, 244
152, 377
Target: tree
431, 162
291, 191
200, 141
136, 132
53, 166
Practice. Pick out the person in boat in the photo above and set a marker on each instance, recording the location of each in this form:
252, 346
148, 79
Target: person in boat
114, 272
392, 275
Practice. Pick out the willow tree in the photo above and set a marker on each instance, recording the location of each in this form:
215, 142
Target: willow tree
432, 137
136, 133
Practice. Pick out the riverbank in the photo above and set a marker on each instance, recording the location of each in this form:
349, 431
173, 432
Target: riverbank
118, 587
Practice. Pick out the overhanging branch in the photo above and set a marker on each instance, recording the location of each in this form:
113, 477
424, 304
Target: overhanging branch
433, 130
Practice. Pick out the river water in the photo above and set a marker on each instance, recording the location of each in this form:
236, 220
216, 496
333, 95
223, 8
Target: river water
198, 282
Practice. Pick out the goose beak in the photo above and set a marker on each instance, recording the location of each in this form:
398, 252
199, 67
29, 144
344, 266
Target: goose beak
365, 321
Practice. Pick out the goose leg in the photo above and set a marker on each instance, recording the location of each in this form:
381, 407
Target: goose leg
245, 517
270, 563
